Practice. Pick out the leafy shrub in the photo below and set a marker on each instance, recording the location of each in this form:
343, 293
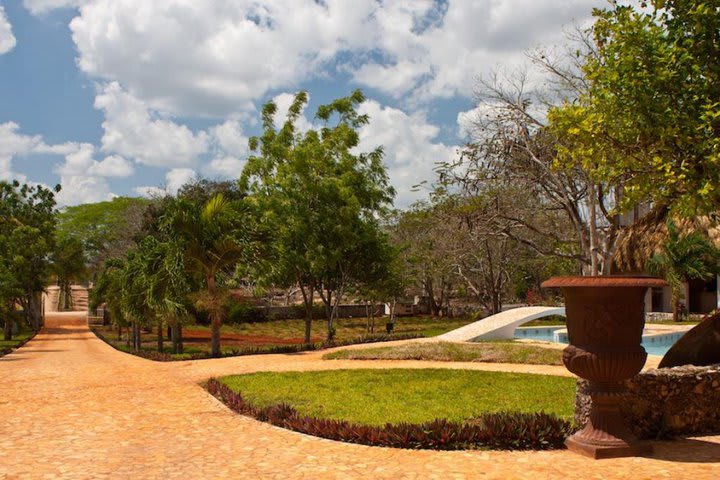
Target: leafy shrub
506, 431
241, 312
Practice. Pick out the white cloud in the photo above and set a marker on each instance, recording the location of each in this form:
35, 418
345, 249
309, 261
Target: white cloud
113, 166
283, 102
83, 178
177, 177
40, 7
7, 39
212, 57
150, 192
229, 138
217, 58
226, 166
411, 152
174, 179
468, 39
78, 189
12, 144
131, 131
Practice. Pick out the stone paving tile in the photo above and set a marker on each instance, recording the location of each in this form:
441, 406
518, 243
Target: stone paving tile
73, 408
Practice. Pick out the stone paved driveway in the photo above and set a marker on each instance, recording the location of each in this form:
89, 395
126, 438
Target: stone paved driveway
72, 407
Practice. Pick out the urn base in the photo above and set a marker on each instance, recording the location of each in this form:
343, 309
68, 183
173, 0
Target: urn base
575, 443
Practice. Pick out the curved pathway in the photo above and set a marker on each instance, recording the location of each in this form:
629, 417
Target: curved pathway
73, 407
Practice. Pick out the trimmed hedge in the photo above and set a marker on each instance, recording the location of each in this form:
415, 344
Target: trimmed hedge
238, 352
502, 431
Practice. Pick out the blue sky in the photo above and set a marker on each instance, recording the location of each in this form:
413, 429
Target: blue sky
122, 97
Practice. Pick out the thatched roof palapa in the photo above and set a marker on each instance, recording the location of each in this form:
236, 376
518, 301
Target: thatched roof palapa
640, 241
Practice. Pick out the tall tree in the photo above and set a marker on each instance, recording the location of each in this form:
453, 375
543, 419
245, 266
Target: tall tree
312, 193
27, 230
105, 229
212, 238
562, 209
649, 118
68, 263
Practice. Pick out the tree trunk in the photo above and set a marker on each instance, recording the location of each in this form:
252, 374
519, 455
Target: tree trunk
215, 325
137, 336
215, 319
308, 301
35, 310
367, 317
119, 332
676, 310
176, 338
8, 327
160, 339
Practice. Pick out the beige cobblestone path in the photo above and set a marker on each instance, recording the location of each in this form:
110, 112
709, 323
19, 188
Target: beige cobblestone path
72, 407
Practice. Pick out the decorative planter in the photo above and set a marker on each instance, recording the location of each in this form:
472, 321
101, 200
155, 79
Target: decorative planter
605, 321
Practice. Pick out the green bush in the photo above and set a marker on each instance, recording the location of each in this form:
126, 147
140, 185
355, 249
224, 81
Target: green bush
241, 312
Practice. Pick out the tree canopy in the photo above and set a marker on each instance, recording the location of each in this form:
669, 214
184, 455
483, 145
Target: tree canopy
318, 199
649, 119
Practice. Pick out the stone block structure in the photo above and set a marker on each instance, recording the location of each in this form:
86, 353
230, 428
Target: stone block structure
666, 402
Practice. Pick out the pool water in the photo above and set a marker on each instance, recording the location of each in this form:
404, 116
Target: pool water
655, 344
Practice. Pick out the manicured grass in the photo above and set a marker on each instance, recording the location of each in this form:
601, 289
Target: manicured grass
6, 346
285, 332
376, 397
497, 352
347, 328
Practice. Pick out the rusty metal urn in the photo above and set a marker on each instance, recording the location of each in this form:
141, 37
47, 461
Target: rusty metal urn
605, 321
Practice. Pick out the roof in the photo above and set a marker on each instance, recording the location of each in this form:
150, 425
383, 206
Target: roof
640, 241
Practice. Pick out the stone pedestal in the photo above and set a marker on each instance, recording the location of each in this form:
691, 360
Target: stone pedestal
605, 321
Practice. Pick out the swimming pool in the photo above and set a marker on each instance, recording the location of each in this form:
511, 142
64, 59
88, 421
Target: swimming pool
655, 343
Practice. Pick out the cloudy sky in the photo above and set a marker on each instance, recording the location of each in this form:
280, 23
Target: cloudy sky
119, 97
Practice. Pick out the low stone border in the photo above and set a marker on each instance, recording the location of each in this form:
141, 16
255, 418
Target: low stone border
666, 402
500, 431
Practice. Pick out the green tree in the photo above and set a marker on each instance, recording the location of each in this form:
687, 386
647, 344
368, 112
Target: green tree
68, 263
108, 290
684, 257
27, 230
210, 238
105, 229
650, 116
313, 195
168, 287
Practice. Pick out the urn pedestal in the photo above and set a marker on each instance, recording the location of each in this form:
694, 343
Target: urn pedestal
605, 321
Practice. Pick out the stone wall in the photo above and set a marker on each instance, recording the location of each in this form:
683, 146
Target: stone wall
666, 402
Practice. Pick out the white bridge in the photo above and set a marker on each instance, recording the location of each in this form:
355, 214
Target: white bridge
500, 326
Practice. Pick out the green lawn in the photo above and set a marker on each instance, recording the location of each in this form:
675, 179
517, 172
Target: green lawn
347, 328
7, 345
284, 332
498, 352
376, 397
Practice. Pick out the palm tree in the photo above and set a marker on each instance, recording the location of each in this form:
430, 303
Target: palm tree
108, 290
168, 289
68, 264
684, 257
206, 233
